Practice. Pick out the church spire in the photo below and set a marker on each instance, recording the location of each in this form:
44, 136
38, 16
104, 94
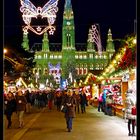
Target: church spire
68, 30
25, 43
109, 35
110, 45
68, 4
45, 42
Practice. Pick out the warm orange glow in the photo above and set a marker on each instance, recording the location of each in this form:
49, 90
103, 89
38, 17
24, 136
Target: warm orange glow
5, 51
134, 41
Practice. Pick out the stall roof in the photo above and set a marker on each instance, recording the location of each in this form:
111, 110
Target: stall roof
10, 79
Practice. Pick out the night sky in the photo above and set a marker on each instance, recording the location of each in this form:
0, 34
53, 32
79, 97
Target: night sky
119, 15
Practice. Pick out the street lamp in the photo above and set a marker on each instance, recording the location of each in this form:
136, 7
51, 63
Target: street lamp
5, 51
16, 64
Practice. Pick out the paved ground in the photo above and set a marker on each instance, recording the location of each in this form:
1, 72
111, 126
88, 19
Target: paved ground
50, 125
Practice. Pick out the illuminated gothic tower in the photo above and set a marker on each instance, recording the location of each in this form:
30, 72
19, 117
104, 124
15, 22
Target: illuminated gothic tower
68, 31
71, 62
68, 40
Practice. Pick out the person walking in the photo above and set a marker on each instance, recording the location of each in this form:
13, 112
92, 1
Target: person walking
104, 100
50, 98
77, 107
100, 101
58, 99
9, 107
70, 103
130, 102
21, 106
83, 101
109, 103
28, 98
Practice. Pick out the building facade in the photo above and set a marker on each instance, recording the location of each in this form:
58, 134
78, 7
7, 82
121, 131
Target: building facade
69, 63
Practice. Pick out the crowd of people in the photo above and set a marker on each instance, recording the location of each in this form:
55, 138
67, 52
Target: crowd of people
22, 102
75, 102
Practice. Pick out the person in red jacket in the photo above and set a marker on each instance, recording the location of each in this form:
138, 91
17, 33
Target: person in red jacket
100, 102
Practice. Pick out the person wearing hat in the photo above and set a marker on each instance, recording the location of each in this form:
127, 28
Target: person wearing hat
130, 102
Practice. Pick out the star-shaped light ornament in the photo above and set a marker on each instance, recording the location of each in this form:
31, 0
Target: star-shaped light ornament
51, 32
39, 29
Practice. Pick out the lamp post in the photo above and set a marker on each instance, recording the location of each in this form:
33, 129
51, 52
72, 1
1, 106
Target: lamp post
16, 64
5, 51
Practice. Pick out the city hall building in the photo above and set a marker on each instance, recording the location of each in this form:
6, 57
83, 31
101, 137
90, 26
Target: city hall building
70, 64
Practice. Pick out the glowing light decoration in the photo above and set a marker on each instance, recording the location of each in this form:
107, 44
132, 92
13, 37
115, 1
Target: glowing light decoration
48, 11
55, 71
94, 37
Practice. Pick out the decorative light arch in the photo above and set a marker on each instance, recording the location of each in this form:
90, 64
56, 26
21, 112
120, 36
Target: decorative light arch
94, 37
48, 11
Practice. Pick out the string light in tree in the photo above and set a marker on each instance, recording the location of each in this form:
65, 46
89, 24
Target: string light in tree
48, 12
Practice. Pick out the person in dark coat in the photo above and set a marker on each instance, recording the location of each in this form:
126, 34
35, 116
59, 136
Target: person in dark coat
28, 98
77, 97
21, 106
83, 101
9, 107
50, 97
70, 103
58, 100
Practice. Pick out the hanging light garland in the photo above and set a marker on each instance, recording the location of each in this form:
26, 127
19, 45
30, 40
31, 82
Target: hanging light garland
123, 60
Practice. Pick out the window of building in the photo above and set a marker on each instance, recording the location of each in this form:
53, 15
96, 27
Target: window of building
68, 39
35, 56
60, 56
45, 55
55, 56
105, 56
110, 55
96, 56
39, 70
80, 56
90, 55
45, 71
39, 57
101, 66
76, 56
85, 56
85, 71
34, 70
85, 65
100, 56
97, 67
51, 56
